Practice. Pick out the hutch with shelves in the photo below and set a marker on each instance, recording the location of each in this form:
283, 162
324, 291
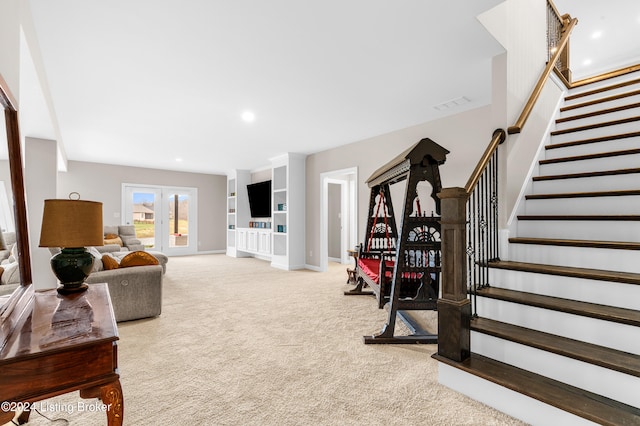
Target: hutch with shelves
282, 239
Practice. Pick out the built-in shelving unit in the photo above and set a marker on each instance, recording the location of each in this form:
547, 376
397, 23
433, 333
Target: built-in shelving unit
237, 209
288, 211
282, 240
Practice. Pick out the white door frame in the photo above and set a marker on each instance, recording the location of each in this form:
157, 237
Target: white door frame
349, 200
161, 210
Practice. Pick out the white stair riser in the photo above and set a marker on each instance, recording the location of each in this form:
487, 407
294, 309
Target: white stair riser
592, 291
602, 381
596, 132
580, 230
607, 83
626, 204
515, 404
597, 183
578, 257
626, 161
593, 148
600, 118
627, 100
604, 333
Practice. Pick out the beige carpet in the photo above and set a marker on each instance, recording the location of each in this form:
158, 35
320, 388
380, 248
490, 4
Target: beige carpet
241, 343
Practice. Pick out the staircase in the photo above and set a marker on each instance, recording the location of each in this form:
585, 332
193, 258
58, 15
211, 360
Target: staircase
558, 337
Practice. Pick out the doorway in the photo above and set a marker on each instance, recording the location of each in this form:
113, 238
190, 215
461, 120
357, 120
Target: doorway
339, 216
165, 217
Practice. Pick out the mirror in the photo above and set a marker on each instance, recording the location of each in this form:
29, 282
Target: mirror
9, 105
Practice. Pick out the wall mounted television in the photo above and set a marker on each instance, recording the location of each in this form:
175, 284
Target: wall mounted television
260, 199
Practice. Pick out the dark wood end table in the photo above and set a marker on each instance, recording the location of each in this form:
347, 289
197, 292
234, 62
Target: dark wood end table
61, 344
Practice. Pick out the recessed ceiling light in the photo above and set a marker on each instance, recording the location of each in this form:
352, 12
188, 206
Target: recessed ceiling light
587, 62
179, 160
248, 116
596, 35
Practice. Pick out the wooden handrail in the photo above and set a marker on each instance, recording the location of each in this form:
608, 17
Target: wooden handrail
499, 136
537, 90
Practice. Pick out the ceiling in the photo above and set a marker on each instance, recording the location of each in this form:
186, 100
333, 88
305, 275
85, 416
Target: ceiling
607, 35
164, 84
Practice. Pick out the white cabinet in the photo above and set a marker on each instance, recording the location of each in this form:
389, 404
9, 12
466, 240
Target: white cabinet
254, 241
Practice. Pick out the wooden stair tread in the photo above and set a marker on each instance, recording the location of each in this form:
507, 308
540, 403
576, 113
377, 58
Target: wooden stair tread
587, 174
568, 271
595, 126
621, 193
577, 401
602, 89
591, 310
598, 112
593, 140
629, 217
619, 245
602, 356
600, 100
590, 156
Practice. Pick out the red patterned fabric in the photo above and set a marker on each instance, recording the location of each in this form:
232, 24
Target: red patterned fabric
371, 267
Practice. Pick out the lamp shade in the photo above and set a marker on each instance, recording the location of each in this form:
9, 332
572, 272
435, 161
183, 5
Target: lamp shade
3, 245
71, 223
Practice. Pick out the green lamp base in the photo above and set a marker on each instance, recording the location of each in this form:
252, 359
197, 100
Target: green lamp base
72, 266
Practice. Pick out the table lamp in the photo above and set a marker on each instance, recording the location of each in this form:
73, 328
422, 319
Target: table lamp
3, 245
72, 225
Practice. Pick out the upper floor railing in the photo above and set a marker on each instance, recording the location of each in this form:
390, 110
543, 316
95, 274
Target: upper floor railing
558, 42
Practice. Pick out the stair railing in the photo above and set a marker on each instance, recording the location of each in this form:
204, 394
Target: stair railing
558, 49
469, 235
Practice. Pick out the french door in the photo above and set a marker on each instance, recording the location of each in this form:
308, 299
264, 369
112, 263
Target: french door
165, 217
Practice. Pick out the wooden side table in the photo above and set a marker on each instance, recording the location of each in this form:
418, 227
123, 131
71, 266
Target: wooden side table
352, 276
62, 344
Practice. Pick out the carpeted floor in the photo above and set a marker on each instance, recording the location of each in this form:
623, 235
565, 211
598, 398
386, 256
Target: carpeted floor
241, 343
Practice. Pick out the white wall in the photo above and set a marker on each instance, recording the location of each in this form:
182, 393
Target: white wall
10, 44
40, 184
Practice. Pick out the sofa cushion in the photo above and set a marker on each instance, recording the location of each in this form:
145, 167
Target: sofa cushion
97, 259
11, 274
138, 258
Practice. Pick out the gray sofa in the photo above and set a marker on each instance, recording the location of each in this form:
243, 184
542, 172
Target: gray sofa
136, 292
127, 235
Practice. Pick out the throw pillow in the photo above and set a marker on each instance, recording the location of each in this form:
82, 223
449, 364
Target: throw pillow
109, 262
115, 240
138, 258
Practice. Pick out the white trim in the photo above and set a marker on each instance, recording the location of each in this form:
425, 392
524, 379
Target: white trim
162, 214
325, 179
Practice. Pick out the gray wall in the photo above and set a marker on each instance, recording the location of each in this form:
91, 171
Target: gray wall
333, 225
466, 135
103, 182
